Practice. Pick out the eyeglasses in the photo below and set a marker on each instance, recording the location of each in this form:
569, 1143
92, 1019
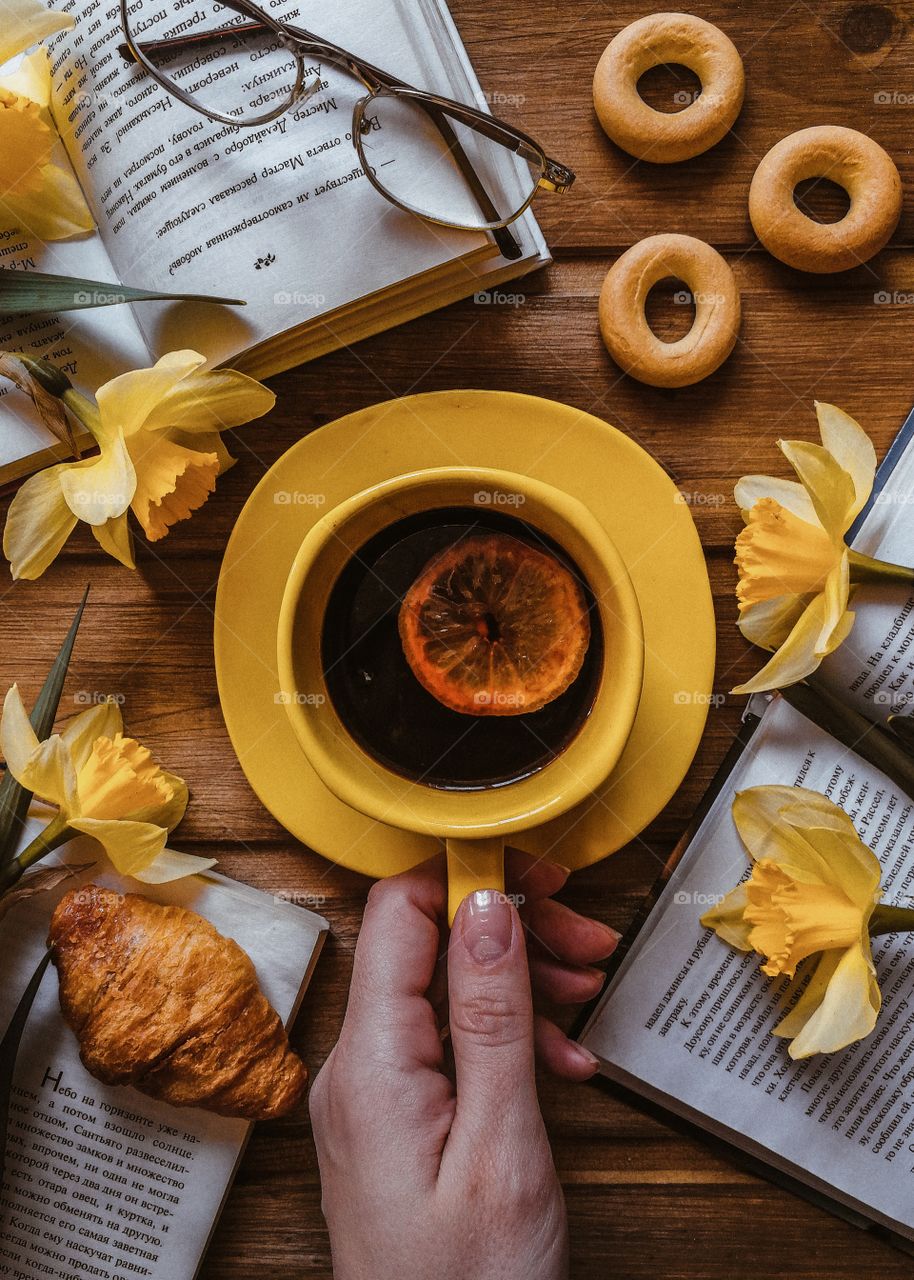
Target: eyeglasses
435, 157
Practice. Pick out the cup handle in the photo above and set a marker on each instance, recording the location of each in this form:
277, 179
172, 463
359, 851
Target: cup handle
472, 865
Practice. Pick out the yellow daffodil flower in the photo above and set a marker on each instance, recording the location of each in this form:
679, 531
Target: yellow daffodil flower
37, 195
160, 453
24, 23
796, 573
103, 785
811, 897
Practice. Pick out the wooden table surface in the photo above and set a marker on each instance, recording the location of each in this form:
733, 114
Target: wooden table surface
643, 1201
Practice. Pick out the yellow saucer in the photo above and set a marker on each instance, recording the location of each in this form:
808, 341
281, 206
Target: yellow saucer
625, 489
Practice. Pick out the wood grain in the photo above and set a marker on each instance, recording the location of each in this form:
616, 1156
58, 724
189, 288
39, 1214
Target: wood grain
644, 1201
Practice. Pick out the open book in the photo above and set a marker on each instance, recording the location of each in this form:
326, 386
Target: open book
280, 216
686, 1022
102, 1181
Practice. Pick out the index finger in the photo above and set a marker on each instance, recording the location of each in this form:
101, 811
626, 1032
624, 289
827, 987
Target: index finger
388, 1012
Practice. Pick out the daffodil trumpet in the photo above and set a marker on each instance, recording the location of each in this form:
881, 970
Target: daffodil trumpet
797, 574
103, 785
160, 452
809, 908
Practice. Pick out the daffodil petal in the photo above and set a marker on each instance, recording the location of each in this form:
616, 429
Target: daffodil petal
769, 622
55, 210
848, 1009
846, 440
104, 489
32, 77
171, 812
115, 537
836, 595
823, 970
25, 22
18, 740
205, 442
38, 524
103, 720
132, 847
172, 482
830, 487
170, 865
789, 493
726, 919
807, 834
126, 402
757, 816
799, 656
211, 400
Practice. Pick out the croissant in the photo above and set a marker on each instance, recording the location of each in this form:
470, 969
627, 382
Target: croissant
160, 1000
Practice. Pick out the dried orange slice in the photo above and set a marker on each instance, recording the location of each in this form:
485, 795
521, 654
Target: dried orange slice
494, 626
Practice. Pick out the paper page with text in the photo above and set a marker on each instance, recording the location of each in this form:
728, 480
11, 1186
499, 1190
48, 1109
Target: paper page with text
103, 1181
280, 215
687, 1020
90, 346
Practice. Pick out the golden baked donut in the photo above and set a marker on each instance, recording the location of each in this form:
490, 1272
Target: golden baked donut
629, 338
846, 157
667, 136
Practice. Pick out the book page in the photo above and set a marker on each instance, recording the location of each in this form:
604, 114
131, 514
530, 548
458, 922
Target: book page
90, 346
874, 668
279, 215
688, 1020
103, 1181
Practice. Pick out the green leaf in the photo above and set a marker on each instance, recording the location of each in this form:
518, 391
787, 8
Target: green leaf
15, 800
34, 292
9, 1050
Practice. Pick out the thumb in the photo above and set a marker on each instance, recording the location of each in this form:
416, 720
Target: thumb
491, 1017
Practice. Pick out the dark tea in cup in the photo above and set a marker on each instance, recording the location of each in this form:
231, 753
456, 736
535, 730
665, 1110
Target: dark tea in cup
390, 713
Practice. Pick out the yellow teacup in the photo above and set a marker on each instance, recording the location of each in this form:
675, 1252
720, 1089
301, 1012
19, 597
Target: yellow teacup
473, 823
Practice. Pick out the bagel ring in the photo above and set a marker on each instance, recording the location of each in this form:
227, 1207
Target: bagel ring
665, 137
846, 157
629, 338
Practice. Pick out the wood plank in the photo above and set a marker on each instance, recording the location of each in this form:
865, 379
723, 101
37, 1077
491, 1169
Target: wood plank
816, 62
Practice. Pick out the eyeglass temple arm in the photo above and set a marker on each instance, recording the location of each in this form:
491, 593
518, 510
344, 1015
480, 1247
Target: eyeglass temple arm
373, 78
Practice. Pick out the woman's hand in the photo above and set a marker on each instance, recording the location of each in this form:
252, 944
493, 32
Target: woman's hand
422, 1179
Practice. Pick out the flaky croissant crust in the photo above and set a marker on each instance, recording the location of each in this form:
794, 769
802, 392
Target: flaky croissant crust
160, 1000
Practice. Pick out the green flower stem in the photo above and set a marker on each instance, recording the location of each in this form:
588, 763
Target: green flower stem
891, 920
866, 569
83, 409
54, 835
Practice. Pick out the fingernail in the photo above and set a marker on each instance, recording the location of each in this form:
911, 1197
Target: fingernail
614, 934
488, 925
587, 1057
